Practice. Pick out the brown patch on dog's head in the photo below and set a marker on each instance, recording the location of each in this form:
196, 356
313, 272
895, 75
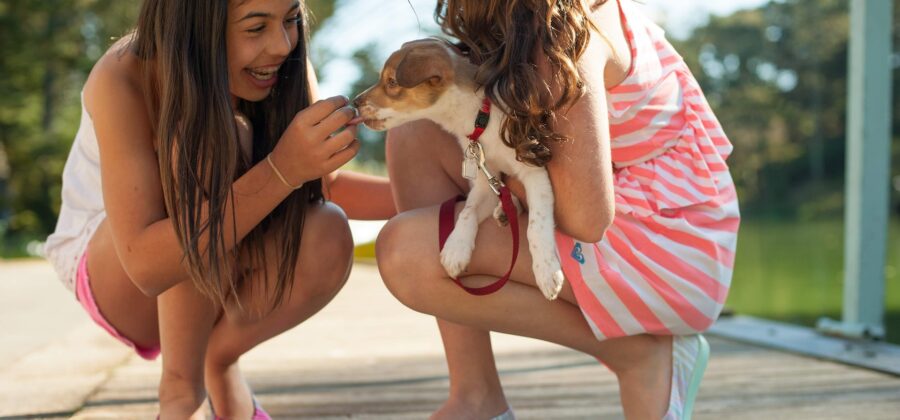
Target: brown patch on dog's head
413, 79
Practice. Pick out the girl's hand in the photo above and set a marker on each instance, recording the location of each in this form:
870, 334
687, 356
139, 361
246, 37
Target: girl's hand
310, 148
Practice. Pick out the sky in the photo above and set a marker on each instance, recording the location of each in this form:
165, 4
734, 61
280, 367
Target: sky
386, 24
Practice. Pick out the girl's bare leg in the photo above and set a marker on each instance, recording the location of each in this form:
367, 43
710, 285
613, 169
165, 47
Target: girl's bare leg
186, 319
326, 238
199, 342
133, 313
641, 363
425, 170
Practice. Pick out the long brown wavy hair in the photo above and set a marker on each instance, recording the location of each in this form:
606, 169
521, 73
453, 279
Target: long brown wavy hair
502, 37
183, 48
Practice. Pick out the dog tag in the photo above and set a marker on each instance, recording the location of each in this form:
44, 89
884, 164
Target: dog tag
469, 168
470, 161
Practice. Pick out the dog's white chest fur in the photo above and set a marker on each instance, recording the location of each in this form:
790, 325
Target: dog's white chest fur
456, 112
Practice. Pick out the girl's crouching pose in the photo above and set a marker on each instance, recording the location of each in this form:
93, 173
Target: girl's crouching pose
646, 210
193, 220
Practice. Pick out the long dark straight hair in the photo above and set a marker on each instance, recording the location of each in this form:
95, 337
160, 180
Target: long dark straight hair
502, 36
183, 47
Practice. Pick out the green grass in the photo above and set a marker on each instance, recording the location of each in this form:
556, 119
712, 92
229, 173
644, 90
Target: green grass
792, 271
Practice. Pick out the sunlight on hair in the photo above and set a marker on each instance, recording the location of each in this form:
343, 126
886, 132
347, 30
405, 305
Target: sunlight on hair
418, 20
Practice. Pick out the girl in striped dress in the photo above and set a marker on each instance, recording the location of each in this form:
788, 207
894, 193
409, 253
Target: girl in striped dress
646, 210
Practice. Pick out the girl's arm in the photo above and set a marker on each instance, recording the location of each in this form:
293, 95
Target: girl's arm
143, 234
363, 197
581, 169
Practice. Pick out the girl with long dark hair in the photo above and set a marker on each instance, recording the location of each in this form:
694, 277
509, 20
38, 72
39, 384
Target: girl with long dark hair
193, 220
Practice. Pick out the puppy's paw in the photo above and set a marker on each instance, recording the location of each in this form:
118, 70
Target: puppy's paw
550, 282
456, 255
500, 215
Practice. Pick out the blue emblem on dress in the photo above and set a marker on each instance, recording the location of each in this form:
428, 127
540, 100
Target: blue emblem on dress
577, 254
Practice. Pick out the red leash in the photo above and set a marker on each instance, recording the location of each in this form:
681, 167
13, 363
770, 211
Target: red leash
447, 221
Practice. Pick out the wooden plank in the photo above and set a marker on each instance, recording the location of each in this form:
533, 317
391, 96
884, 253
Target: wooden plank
742, 382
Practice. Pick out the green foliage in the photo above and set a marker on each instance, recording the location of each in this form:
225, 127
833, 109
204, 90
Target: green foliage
371, 142
776, 77
48, 48
320, 11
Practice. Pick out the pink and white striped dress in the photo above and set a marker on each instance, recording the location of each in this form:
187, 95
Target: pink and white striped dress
665, 264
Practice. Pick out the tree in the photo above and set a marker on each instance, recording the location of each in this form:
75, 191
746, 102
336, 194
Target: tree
48, 49
777, 78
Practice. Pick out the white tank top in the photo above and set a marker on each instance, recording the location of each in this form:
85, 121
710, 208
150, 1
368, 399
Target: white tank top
82, 207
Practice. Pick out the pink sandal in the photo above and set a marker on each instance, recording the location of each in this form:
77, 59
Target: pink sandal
258, 412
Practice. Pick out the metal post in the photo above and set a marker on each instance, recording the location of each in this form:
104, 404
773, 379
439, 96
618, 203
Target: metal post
868, 170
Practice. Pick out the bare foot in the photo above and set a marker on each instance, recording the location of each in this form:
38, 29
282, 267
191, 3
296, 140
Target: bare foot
229, 393
181, 409
459, 409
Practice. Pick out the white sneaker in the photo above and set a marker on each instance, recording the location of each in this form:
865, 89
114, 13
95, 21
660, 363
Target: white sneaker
690, 354
507, 415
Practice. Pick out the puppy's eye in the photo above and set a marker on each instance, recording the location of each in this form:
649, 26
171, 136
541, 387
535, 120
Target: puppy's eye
392, 82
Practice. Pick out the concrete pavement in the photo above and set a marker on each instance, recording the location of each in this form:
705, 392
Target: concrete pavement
35, 308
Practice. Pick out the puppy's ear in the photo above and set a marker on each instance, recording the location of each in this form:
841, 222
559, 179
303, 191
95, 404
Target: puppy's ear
421, 66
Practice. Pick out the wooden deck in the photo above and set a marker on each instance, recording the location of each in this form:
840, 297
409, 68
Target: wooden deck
742, 382
366, 356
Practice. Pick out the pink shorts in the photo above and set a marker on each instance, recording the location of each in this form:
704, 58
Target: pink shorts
86, 298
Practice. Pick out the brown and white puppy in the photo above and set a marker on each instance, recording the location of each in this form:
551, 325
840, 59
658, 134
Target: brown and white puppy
430, 79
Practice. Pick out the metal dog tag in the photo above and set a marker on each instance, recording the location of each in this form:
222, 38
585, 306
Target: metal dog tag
470, 162
469, 169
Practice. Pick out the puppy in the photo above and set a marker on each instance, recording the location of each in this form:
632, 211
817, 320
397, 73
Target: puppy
430, 79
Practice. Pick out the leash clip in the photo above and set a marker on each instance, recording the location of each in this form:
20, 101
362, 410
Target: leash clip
477, 152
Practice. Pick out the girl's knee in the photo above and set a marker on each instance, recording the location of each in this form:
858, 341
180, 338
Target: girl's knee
329, 243
397, 250
402, 138
327, 232
415, 139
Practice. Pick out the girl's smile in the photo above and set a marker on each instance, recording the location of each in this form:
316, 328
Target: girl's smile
261, 35
263, 77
